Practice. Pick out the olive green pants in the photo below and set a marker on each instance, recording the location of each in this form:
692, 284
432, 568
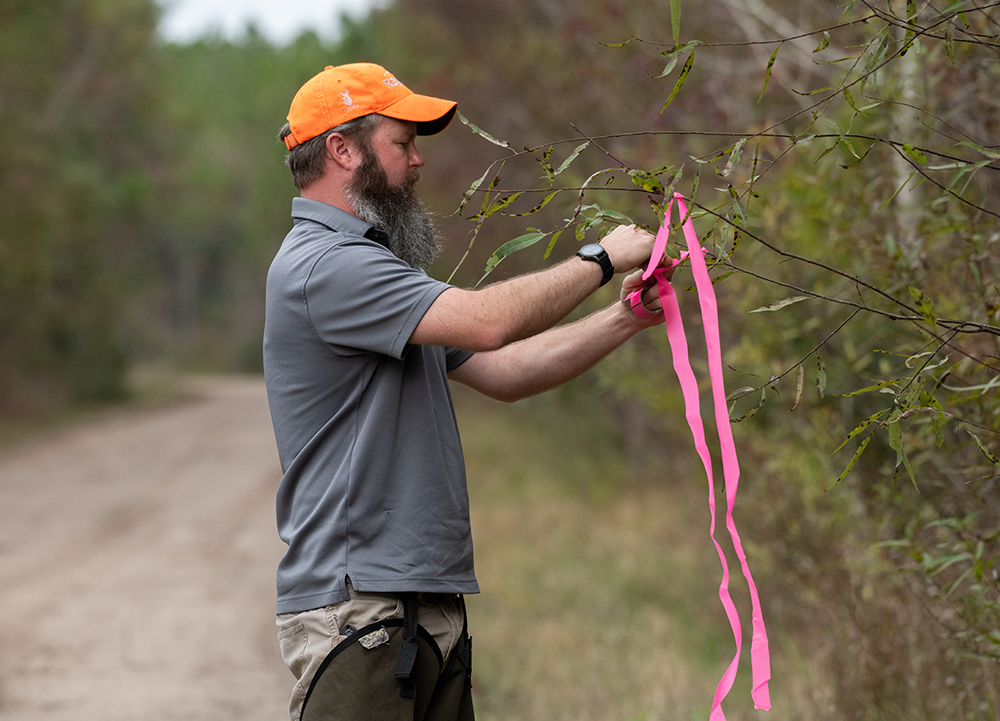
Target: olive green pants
345, 658
358, 683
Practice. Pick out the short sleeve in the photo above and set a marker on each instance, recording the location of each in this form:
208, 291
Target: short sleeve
362, 298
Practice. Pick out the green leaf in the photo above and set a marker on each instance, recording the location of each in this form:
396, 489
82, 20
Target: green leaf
799, 385
861, 427
849, 97
675, 20
552, 244
911, 13
824, 42
767, 72
738, 207
734, 157
779, 304
546, 165
916, 154
991, 153
497, 205
986, 451
752, 411
897, 191
545, 201
821, 378
925, 306
572, 156
479, 131
646, 181
473, 188
512, 246
869, 389
673, 54
854, 459
949, 43
680, 81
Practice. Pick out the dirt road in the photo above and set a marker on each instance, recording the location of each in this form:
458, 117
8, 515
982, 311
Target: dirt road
137, 559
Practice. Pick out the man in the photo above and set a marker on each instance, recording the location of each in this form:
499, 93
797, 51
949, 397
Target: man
359, 347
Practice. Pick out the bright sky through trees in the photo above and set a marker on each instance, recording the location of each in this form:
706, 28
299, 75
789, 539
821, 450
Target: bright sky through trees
185, 20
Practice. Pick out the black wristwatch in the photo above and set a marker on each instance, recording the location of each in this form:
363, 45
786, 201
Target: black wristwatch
597, 253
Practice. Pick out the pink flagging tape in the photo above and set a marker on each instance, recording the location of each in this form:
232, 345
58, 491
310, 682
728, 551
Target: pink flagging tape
759, 654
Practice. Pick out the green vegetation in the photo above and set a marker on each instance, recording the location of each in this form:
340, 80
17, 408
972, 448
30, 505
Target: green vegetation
843, 172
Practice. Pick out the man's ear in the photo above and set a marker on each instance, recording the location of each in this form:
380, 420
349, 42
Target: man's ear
343, 151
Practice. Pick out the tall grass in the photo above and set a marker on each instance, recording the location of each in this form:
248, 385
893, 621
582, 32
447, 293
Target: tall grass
599, 587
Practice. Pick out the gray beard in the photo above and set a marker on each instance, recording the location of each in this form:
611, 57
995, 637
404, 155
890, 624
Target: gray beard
413, 237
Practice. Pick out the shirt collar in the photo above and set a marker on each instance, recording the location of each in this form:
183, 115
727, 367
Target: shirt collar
336, 219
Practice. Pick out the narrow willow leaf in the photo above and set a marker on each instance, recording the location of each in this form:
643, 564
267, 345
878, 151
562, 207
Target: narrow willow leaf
512, 246
738, 207
675, 20
572, 156
897, 192
545, 201
767, 72
992, 153
546, 165
497, 205
986, 451
861, 427
552, 244
909, 470
734, 157
859, 158
649, 183
911, 13
779, 304
669, 67
849, 97
869, 389
472, 189
854, 459
680, 81
826, 152
479, 131
820, 377
740, 393
799, 385
916, 154
752, 411
824, 42
486, 198
924, 305
949, 43
673, 54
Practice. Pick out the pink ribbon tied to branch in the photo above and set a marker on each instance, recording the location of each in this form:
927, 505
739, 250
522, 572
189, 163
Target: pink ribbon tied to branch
759, 655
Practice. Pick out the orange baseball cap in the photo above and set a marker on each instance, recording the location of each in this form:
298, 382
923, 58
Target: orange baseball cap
344, 92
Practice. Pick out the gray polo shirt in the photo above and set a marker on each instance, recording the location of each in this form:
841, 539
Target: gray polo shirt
374, 483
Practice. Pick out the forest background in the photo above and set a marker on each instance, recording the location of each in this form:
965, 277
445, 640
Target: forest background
842, 165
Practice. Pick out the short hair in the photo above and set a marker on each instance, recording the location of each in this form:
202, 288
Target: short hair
307, 160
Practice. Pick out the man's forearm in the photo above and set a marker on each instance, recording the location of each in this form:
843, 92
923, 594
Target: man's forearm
488, 319
546, 360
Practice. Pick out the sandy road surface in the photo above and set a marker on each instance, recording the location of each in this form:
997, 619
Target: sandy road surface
137, 559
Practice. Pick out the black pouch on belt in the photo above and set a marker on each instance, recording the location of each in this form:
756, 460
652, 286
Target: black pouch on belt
392, 671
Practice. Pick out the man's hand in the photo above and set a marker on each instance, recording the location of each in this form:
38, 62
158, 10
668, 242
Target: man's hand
650, 299
628, 247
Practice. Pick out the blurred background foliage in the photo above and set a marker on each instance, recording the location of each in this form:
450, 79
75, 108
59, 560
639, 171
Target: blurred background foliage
842, 162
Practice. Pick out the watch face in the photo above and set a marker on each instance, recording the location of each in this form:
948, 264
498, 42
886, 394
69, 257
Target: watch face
591, 250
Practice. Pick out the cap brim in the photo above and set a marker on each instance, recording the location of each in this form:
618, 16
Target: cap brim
432, 115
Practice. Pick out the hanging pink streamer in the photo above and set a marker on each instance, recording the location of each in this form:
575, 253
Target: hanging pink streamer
759, 655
